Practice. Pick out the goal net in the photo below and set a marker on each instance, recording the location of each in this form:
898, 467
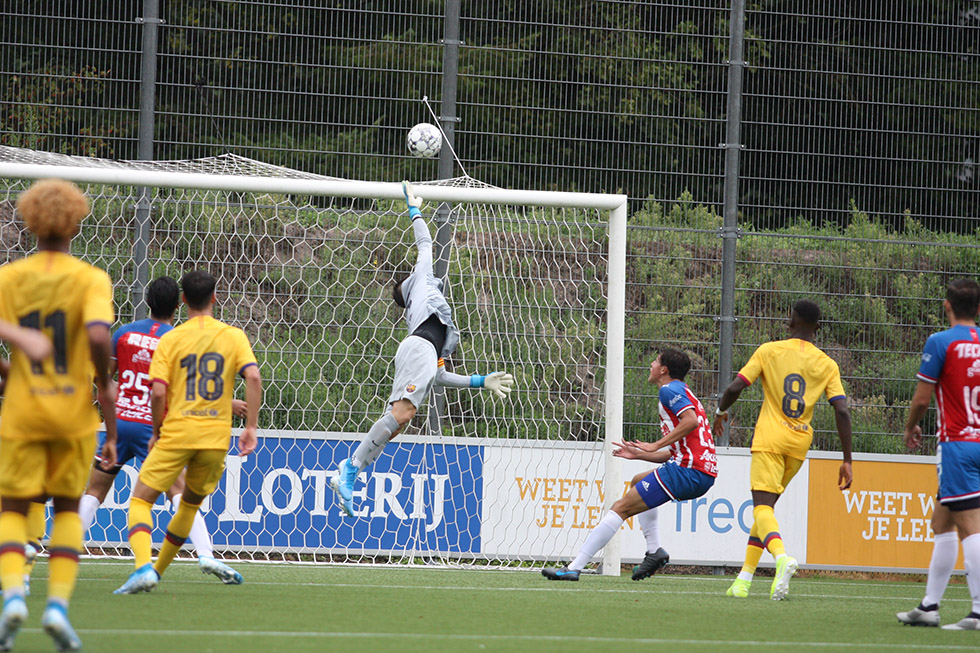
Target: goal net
305, 265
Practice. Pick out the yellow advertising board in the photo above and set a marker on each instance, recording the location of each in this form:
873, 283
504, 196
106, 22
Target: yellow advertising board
882, 521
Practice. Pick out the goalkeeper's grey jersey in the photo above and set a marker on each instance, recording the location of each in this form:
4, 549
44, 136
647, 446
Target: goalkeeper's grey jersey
423, 292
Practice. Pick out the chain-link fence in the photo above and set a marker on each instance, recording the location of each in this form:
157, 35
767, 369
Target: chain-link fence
825, 151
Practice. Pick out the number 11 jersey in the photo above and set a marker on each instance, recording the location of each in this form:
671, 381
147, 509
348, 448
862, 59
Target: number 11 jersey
61, 296
795, 374
198, 361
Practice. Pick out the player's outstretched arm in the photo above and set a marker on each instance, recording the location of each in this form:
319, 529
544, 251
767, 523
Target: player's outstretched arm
423, 239
843, 418
499, 383
32, 342
728, 397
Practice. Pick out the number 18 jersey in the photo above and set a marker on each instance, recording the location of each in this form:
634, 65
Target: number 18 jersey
951, 360
795, 373
198, 361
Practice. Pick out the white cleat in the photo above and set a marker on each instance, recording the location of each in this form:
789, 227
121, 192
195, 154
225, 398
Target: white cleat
13, 616
143, 579
917, 617
228, 576
967, 623
56, 625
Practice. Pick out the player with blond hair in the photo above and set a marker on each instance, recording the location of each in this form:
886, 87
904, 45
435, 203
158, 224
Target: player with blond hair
193, 376
48, 422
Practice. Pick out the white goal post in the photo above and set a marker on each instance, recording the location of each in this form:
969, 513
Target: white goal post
537, 280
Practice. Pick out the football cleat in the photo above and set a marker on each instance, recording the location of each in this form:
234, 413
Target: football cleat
739, 588
55, 623
551, 573
785, 568
919, 617
343, 486
652, 563
14, 614
970, 622
143, 579
228, 576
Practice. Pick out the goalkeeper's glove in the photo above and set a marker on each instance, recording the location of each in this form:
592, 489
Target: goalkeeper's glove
414, 203
499, 383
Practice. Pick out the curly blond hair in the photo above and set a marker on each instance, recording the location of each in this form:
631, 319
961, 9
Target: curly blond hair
52, 209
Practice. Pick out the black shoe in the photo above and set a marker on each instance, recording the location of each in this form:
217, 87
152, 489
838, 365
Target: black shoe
559, 574
652, 562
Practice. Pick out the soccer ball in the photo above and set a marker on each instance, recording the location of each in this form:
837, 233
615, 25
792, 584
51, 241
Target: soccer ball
424, 140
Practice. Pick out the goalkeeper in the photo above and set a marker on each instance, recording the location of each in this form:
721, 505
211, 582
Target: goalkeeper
419, 362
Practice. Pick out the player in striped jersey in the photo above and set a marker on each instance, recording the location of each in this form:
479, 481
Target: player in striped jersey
133, 345
48, 422
419, 361
689, 469
795, 374
950, 370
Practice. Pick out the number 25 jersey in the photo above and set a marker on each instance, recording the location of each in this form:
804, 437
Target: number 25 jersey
795, 373
61, 296
198, 361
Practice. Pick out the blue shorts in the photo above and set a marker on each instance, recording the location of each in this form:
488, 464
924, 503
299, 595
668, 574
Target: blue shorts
132, 441
671, 482
959, 471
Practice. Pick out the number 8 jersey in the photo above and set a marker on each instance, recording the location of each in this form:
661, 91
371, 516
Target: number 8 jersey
951, 360
795, 374
61, 296
198, 362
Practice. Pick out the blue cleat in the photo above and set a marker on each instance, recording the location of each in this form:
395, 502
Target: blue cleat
564, 573
14, 614
142, 580
55, 623
228, 576
343, 486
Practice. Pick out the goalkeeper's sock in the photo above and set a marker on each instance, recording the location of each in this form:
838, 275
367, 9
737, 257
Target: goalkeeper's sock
597, 539
945, 548
648, 524
380, 433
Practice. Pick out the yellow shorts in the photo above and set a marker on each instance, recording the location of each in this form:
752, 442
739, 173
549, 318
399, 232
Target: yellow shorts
45, 468
204, 468
772, 472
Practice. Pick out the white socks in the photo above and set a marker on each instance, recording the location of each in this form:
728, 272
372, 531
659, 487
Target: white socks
648, 524
597, 539
199, 535
971, 560
87, 507
374, 442
945, 546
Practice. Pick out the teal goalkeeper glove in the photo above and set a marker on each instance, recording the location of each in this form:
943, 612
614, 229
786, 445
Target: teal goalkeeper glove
414, 203
499, 383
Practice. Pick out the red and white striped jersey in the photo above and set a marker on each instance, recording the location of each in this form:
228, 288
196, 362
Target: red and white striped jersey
697, 449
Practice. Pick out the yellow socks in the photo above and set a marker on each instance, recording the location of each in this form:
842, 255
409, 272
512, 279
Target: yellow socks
13, 534
140, 527
177, 532
35, 532
66, 545
768, 529
753, 551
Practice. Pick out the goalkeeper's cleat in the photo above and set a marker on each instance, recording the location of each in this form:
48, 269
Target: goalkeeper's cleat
785, 568
739, 588
13, 616
228, 576
343, 485
55, 623
551, 573
919, 617
143, 579
652, 563
970, 622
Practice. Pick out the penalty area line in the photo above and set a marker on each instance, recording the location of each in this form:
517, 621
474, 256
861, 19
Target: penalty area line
489, 637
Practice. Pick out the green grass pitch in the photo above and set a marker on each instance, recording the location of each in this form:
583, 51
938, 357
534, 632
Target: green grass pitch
286, 607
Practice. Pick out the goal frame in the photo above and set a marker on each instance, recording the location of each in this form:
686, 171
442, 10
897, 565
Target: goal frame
616, 204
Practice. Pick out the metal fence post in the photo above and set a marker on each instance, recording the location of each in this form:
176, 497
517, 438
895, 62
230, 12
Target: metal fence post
148, 80
729, 230
444, 224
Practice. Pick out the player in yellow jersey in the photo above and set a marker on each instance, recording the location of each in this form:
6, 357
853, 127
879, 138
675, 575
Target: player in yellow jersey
193, 378
795, 374
48, 422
